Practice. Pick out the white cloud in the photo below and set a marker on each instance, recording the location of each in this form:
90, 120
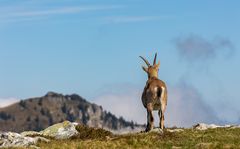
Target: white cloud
185, 106
196, 48
7, 101
32, 11
62, 10
11, 14
126, 104
130, 19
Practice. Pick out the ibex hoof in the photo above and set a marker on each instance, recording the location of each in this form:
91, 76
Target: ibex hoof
147, 129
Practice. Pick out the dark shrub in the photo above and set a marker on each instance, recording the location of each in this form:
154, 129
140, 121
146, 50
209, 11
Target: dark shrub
5, 116
86, 133
22, 104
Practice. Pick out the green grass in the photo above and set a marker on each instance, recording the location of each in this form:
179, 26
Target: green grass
189, 138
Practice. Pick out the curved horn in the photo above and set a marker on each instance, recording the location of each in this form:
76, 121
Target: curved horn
155, 58
145, 61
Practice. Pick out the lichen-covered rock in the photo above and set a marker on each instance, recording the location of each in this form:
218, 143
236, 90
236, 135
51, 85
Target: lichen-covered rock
175, 130
62, 130
203, 126
30, 133
236, 126
11, 139
126, 130
157, 129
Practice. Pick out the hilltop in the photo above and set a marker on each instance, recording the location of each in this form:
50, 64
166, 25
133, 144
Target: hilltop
40, 112
69, 135
170, 138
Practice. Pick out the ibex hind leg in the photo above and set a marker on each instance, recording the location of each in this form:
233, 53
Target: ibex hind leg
159, 114
161, 119
150, 120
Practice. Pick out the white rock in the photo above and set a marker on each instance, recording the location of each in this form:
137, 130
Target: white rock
157, 129
236, 126
203, 126
126, 130
175, 130
30, 133
62, 130
11, 139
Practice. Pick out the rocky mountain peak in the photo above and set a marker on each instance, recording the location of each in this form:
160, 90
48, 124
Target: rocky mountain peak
52, 94
40, 112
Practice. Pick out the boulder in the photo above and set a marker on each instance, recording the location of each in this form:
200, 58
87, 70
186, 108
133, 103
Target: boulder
62, 130
203, 126
11, 139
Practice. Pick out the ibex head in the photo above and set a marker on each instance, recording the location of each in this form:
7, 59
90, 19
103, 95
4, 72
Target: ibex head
151, 70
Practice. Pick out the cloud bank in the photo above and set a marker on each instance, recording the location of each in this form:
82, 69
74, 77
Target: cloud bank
126, 104
196, 48
185, 106
7, 101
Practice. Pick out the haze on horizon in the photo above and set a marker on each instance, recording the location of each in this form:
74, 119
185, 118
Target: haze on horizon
92, 49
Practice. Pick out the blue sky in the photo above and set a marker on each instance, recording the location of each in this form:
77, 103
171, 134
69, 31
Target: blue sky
91, 48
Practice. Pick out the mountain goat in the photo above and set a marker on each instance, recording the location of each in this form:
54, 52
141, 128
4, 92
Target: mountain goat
154, 96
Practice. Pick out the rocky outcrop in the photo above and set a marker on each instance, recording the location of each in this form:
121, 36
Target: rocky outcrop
203, 126
11, 139
64, 130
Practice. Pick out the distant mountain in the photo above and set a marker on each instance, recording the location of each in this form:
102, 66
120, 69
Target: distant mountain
40, 112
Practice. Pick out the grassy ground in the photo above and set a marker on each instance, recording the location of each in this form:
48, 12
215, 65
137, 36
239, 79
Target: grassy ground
189, 138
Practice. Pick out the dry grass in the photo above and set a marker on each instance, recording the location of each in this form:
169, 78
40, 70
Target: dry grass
92, 138
88, 133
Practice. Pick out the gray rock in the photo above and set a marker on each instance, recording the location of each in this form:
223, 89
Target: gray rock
11, 139
203, 126
157, 129
175, 130
30, 133
127, 130
236, 126
62, 130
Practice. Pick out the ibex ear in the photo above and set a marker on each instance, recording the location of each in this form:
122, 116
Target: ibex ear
157, 65
145, 69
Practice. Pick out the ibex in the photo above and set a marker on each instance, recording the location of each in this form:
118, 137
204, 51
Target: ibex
154, 96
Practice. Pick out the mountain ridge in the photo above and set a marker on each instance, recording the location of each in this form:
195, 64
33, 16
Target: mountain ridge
40, 112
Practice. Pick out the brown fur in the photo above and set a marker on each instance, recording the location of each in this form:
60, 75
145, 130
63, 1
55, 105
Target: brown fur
154, 96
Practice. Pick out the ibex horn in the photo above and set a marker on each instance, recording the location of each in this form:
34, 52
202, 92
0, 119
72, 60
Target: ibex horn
145, 61
155, 58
